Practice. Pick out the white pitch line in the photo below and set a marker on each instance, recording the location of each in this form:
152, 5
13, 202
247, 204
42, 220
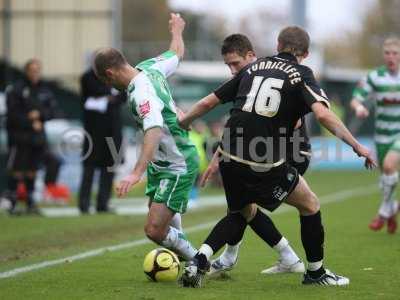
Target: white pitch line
129, 207
330, 198
91, 253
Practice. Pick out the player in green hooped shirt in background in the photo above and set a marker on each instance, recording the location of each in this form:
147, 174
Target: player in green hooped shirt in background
167, 155
382, 85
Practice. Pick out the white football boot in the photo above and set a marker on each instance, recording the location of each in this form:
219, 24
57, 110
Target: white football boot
328, 278
217, 267
280, 267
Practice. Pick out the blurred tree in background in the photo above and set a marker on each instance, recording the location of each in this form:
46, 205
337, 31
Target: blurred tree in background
144, 20
145, 31
203, 35
364, 49
382, 21
262, 29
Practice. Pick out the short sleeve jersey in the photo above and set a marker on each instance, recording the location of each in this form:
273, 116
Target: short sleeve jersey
152, 105
269, 96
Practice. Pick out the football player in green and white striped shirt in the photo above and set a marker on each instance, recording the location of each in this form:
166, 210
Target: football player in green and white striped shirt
167, 155
382, 85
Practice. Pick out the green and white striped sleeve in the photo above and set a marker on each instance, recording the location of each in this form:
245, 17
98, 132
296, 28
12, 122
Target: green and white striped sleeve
363, 89
166, 63
148, 106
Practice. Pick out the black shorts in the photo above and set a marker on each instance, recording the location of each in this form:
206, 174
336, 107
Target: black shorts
244, 186
301, 166
23, 158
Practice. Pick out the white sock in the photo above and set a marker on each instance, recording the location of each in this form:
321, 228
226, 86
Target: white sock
206, 250
230, 254
388, 184
395, 207
177, 242
314, 266
286, 253
176, 221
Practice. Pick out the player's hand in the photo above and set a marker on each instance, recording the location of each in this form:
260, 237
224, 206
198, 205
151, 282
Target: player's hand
184, 126
34, 115
299, 123
37, 126
124, 186
211, 170
362, 151
176, 24
181, 116
182, 122
361, 112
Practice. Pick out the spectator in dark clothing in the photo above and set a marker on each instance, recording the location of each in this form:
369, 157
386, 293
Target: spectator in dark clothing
43, 94
25, 127
37, 99
102, 122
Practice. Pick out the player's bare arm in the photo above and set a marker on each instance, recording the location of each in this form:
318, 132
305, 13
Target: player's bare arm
299, 123
331, 122
151, 141
359, 109
199, 109
176, 27
211, 169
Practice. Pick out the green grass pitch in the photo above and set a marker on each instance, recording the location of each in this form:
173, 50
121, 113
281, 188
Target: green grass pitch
370, 259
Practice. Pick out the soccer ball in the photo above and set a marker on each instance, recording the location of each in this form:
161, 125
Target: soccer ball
161, 265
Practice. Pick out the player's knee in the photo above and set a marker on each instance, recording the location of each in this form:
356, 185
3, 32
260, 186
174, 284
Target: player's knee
390, 163
389, 167
311, 205
154, 232
249, 212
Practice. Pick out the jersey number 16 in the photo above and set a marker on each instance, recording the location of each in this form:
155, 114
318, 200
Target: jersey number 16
267, 98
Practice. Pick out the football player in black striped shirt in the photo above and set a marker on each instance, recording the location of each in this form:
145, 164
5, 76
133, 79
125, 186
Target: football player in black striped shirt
269, 97
237, 52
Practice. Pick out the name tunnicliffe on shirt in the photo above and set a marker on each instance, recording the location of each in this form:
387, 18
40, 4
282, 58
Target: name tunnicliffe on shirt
277, 65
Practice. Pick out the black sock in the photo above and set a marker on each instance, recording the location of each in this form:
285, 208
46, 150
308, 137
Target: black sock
29, 184
265, 228
52, 164
227, 230
316, 274
237, 235
312, 237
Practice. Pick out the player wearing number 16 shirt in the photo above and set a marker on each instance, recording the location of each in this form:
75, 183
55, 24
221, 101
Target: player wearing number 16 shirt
269, 97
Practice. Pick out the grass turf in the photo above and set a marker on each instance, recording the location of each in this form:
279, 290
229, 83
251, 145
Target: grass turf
370, 259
